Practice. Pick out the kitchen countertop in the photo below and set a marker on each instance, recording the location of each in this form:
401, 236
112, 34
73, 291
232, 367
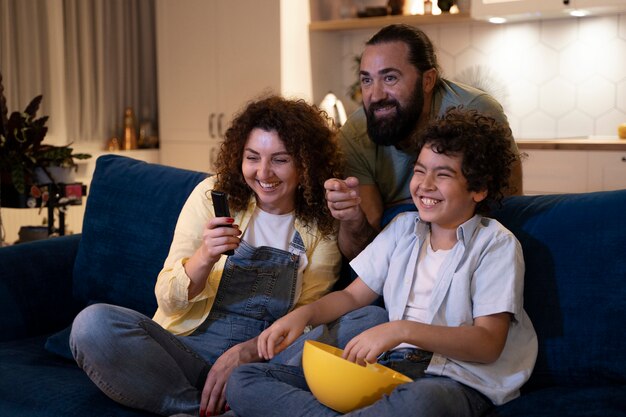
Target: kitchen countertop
574, 144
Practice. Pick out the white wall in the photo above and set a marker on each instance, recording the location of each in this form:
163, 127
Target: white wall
562, 78
296, 61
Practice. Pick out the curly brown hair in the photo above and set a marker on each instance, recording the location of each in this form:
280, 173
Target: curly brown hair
484, 146
306, 132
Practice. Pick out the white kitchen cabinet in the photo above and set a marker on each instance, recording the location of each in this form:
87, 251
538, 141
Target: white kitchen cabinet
553, 171
607, 170
213, 57
541, 9
186, 53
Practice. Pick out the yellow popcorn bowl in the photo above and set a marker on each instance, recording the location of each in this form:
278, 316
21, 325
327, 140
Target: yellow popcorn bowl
343, 385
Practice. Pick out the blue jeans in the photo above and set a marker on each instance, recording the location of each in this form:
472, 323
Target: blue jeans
267, 390
136, 362
337, 333
255, 389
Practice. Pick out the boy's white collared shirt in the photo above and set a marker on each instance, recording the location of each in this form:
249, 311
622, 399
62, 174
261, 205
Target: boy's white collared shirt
483, 274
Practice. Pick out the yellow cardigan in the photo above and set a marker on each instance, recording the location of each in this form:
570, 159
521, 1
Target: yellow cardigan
182, 316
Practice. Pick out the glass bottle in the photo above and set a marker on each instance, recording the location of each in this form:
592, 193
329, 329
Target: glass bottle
428, 7
130, 134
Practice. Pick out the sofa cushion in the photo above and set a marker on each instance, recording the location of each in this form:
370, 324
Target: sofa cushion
575, 253
36, 287
130, 216
35, 383
600, 401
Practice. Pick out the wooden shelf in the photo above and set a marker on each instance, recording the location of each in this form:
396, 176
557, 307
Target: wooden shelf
574, 144
377, 22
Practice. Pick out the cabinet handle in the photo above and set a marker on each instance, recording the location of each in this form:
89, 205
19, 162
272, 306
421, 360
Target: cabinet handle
211, 117
220, 132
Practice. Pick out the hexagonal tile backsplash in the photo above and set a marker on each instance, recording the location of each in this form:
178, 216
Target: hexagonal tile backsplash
555, 78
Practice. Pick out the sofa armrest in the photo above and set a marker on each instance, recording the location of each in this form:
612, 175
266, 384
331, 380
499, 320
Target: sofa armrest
36, 287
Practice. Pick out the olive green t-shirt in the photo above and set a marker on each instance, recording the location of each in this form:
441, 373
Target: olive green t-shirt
391, 169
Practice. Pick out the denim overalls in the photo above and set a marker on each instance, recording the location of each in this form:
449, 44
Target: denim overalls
257, 287
138, 363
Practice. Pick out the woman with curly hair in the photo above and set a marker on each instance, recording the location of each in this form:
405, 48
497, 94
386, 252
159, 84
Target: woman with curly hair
272, 164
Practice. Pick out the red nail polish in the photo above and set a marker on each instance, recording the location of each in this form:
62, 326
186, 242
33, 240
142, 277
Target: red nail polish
230, 220
226, 408
202, 413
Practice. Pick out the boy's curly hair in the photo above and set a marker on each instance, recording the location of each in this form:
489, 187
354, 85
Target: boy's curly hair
484, 146
306, 133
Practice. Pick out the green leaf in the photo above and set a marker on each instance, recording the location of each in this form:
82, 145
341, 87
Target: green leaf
18, 178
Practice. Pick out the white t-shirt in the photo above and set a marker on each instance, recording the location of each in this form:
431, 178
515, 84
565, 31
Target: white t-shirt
276, 231
424, 280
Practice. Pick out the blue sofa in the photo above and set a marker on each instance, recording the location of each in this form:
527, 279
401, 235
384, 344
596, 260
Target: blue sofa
574, 246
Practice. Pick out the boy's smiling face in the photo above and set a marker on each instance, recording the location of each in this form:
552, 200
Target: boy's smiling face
439, 190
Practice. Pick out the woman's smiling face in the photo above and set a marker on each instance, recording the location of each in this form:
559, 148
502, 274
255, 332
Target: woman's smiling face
270, 171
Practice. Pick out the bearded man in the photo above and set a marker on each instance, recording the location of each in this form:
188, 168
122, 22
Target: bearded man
402, 91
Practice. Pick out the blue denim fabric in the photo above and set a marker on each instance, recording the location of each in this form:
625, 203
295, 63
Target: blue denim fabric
338, 333
255, 389
136, 362
408, 361
257, 287
274, 390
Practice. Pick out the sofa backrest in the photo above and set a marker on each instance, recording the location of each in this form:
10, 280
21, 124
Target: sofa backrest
574, 249
575, 284
130, 216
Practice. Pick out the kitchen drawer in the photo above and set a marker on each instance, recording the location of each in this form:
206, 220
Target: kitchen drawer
607, 170
554, 171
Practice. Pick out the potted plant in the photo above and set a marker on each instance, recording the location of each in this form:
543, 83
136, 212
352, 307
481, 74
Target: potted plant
22, 152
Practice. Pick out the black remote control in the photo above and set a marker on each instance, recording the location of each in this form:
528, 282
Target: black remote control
220, 205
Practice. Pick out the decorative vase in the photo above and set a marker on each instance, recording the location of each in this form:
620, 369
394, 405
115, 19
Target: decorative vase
32, 233
60, 175
445, 5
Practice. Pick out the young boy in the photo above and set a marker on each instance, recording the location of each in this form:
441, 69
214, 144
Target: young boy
452, 282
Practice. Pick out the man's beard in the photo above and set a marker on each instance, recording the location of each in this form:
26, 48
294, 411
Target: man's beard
397, 128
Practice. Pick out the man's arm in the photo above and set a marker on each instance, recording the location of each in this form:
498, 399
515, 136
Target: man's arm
358, 208
356, 234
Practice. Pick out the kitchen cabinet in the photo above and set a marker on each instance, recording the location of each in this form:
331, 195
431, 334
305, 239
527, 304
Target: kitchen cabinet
541, 9
607, 170
587, 169
213, 57
555, 171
